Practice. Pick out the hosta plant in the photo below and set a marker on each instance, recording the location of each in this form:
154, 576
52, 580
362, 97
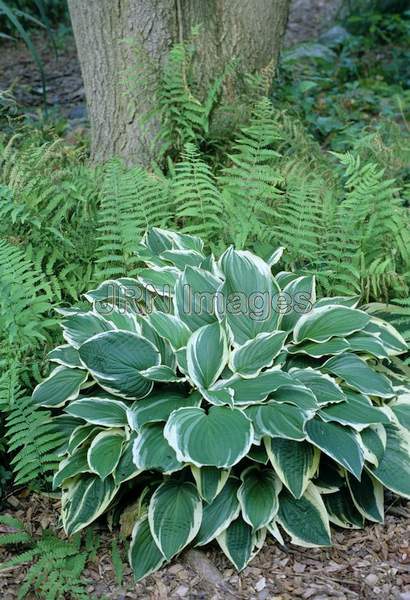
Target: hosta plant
222, 402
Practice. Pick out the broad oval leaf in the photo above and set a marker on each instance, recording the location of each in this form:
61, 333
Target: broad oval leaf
217, 439
115, 360
294, 462
209, 481
99, 411
170, 327
368, 497
324, 387
258, 496
144, 555
105, 451
302, 295
70, 467
152, 451
393, 470
158, 406
247, 279
356, 411
237, 542
358, 375
305, 519
175, 514
340, 443
62, 385
67, 356
218, 515
279, 420
326, 322
342, 511
255, 354
80, 327
207, 355
194, 299
84, 499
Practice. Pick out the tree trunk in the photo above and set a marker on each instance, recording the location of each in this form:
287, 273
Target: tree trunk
249, 31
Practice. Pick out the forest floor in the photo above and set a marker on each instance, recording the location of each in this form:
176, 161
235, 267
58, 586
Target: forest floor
367, 564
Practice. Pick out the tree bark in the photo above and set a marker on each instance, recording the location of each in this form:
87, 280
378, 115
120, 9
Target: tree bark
249, 31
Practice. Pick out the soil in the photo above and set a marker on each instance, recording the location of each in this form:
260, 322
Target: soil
362, 564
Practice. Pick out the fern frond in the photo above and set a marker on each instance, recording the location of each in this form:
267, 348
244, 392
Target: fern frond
131, 201
251, 184
34, 439
197, 200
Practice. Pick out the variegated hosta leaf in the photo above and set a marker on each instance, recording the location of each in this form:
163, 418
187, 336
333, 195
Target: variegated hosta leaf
238, 542
62, 385
320, 349
126, 468
255, 354
357, 411
175, 514
390, 337
105, 451
80, 327
99, 411
258, 496
324, 387
331, 477
195, 297
367, 343
67, 356
248, 281
401, 410
207, 355
158, 406
71, 466
367, 495
253, 391
217, 439
80, 435
321, 324
279, 420
393, 470
301, 293
305, 519
218, 515
275, 256
340, 443
209, 481
295, 463
160, 280
358, 375
161, 374
122, 319
342, 511
170, 327
84, 499
183, 258
115, 360
373, 440
298, 395
152, 451
144, 555
158, 240
258, 454
349, 301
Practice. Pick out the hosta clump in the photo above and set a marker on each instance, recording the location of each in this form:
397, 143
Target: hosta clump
225, 403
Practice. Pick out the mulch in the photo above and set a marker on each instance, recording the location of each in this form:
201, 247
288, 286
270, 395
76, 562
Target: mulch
363, 564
